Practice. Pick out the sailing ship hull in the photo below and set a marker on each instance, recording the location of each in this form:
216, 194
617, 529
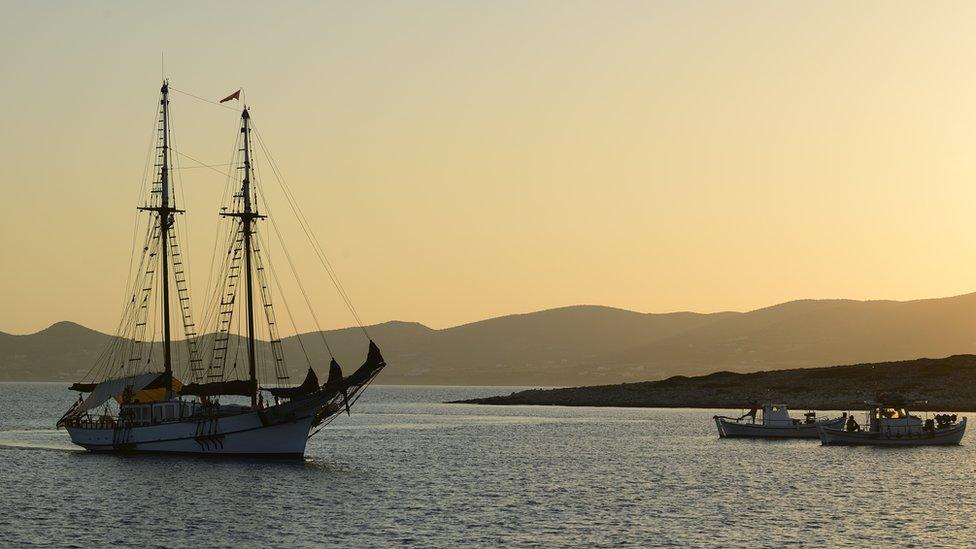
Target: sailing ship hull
733, 429
278, 431
947, 436
241, 436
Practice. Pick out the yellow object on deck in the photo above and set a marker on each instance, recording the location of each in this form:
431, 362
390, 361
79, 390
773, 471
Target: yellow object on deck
155, 394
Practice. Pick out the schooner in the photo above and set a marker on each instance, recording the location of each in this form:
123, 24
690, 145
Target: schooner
138, 399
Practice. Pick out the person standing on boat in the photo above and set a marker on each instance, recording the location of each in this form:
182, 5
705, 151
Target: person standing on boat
852, 425
751, 413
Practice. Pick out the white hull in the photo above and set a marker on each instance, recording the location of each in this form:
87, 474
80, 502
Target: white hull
278, 431
242, 435
948, 436
733, 429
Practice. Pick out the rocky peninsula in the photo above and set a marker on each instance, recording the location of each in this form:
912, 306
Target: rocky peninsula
944, 383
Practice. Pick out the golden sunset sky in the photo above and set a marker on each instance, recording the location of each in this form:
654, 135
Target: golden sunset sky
461, 160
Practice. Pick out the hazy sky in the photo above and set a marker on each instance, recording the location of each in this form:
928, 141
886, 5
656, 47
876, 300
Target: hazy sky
468, 159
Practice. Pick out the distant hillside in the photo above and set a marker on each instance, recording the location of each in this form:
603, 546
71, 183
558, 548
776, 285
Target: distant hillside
63, 351
813, 333
537, 349
588, 345
945, 383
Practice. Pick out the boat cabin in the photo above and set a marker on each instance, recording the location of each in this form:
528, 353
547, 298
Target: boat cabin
892, 420
157, 412
776, 415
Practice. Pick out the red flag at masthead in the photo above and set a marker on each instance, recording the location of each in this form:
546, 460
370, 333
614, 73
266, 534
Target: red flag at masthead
235, 95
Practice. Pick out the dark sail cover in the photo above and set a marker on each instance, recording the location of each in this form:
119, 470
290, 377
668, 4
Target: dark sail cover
235, 387
335, 371
349, 388
309, 386
335, 376
374, 363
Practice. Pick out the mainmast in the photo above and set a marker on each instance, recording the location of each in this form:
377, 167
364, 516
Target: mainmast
247, 219
165, 212
247, 216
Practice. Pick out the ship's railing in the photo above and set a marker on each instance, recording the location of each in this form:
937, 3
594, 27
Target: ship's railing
89, 422
129, 418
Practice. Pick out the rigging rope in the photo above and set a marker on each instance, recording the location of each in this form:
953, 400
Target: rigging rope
221, 105
216, 320
294, 326
225, 266
228, 230
296, 209
202, 164
306, 228
294, 271
102, 366
180, 243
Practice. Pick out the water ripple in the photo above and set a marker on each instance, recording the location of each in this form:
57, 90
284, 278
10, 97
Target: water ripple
407, 470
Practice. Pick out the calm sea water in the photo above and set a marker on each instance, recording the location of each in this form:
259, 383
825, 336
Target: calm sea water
407, 470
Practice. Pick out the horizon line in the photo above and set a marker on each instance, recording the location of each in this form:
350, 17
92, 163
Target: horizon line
557, 308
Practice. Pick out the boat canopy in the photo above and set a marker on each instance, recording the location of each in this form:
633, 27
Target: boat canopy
154, 392
102, 392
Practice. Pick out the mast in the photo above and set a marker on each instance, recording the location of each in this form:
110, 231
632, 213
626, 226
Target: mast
247, 219
165, 221
165, 214
248, 215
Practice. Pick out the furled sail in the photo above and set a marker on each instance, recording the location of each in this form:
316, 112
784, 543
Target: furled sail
335, 371
349, 387
335, 377
335, 374
309, 386
242, 387
373, 364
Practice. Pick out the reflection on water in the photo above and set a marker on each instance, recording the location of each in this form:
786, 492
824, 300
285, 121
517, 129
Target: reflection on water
406, 469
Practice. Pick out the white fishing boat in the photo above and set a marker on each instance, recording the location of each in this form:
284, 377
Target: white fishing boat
135, 400
891, 424
775, 422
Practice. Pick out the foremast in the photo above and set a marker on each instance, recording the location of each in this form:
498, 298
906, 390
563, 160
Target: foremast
165, 210
248, 215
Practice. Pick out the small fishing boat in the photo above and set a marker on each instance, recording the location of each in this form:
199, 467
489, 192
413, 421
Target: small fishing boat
890, 424
774, 423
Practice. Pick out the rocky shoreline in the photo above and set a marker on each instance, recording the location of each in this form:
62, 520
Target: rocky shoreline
944, 383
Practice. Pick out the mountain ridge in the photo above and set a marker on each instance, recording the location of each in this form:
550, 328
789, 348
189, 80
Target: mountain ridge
585, 344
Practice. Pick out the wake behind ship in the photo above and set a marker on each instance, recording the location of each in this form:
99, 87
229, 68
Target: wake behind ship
149, 393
